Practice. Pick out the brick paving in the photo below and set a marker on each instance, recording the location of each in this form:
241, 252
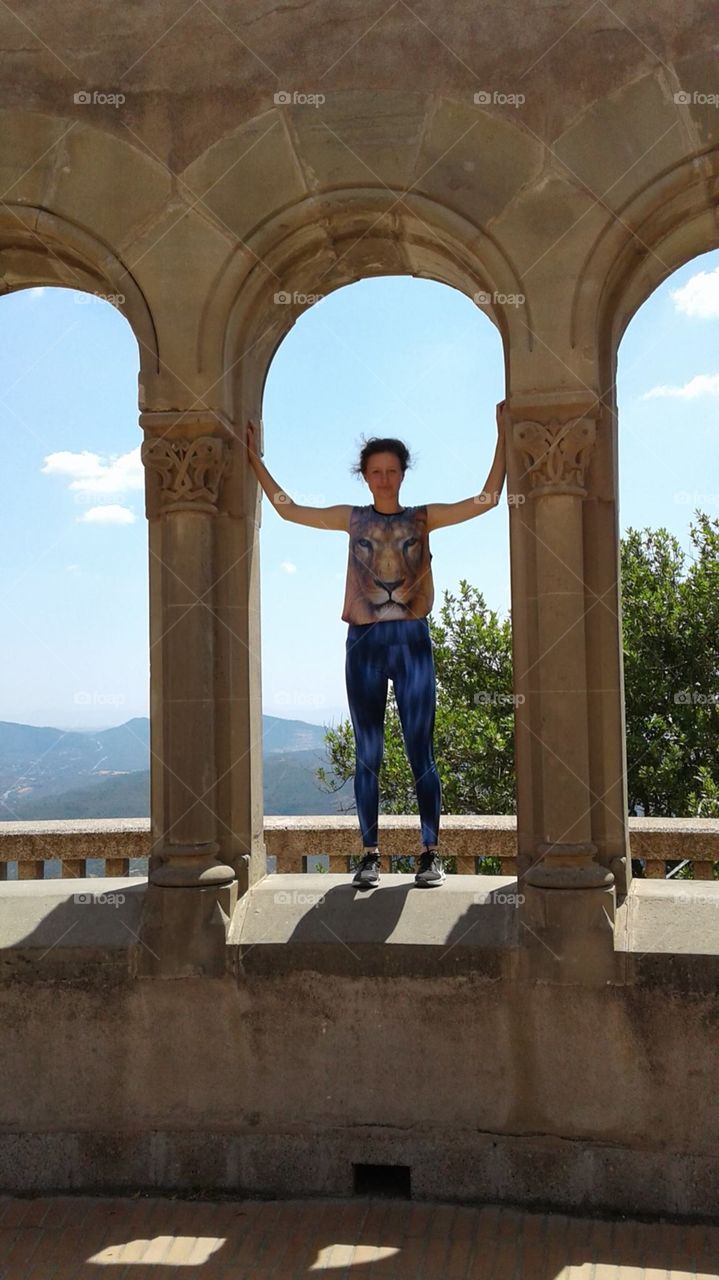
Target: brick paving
155, 1238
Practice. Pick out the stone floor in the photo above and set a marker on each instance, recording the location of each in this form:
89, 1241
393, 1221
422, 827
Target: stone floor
75, 1238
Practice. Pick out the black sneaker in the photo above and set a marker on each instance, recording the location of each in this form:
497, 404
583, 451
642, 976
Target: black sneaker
367, 874
430, 871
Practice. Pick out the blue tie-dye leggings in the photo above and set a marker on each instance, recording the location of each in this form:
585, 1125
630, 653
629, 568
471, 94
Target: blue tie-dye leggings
400, 651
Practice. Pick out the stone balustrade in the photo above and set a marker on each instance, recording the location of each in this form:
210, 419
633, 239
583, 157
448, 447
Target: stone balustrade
118, 843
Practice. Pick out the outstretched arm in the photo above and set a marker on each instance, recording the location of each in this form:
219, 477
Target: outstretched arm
440, 514
336, 518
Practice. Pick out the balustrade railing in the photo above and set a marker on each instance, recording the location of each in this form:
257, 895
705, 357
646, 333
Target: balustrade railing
120, 847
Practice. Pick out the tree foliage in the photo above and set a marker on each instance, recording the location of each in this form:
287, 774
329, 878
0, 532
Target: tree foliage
670, 626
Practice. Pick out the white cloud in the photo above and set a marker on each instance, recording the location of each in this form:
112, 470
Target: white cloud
288, 567
91, 473
37, 292
704, 384
110, 513
73, 464
699, 296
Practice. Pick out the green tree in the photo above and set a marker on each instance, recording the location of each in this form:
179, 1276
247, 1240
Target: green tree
670, 625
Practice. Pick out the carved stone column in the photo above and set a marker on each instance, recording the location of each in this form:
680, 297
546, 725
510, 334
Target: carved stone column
554, 453
186, 459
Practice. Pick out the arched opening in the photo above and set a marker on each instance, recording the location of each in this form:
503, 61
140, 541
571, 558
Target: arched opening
399, 358
74, 623
319, 244
669, 515
664, 227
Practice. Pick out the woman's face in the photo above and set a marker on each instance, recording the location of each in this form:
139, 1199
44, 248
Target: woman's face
384, 475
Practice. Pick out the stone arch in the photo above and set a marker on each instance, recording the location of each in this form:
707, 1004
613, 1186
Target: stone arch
38, 248
41, 248
325, 242
339, 238
670, 221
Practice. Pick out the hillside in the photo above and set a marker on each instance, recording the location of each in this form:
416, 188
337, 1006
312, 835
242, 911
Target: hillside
49, 773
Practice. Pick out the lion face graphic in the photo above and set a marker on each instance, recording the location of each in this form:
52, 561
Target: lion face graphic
388, 574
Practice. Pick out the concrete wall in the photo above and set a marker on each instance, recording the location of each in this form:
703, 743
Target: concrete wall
403, 1028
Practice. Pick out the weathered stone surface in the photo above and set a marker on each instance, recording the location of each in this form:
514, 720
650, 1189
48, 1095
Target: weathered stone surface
306, 1056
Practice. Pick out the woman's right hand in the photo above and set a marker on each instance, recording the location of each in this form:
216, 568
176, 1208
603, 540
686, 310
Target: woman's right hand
503, 417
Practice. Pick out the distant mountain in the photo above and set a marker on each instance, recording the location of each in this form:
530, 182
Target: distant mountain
291, 735
27, 747
48, 773
126, 796
40, 762
290, 786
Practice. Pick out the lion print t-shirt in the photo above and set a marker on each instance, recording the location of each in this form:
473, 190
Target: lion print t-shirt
389, 574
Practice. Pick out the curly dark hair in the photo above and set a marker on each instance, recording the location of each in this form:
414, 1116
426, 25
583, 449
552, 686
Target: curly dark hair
379, 444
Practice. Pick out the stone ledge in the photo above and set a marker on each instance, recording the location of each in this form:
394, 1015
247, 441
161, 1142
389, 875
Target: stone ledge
680, 917
666, 932
469, 923
46, 929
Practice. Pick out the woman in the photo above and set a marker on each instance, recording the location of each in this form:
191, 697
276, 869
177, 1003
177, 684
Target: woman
388, 596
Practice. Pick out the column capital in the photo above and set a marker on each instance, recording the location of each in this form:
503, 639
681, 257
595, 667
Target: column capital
184, 474
555, 452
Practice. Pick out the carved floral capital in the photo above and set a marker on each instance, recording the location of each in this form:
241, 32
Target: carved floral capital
189, 471
556, 453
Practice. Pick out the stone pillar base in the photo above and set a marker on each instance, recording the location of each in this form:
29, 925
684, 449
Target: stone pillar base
568, 866
569, 937
183, 934
188, 866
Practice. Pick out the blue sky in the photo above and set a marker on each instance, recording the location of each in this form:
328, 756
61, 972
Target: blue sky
392, 356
